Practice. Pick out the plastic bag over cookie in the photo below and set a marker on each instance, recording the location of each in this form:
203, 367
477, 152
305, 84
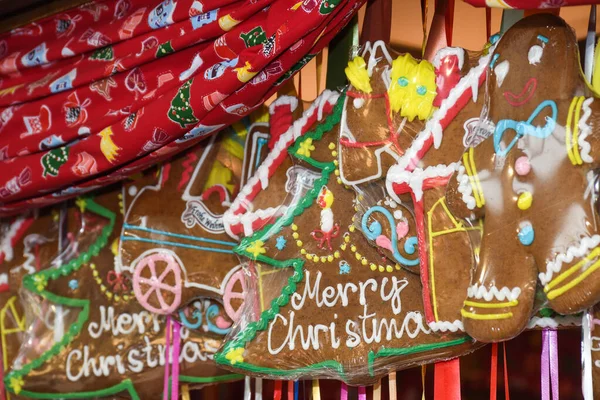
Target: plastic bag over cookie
86, 329
530, 183
332, 314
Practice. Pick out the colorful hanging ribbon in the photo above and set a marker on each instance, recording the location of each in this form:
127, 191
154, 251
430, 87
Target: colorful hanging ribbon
167, 364
344, 392
447, 380
362, 393
494, 373
549, 379
277, 390
587, 324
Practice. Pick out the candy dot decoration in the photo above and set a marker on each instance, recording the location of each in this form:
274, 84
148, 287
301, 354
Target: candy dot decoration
524, 201
522, 166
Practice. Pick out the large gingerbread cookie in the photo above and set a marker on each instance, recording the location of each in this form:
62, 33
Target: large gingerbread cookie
532, 182
107, 345
349, 318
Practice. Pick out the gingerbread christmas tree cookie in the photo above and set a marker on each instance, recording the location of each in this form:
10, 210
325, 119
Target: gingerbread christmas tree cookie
351, 319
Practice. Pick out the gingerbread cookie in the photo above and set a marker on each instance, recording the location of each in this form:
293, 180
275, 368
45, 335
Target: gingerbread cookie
109, 345
532, 181
445, 242
350, 319
174, 230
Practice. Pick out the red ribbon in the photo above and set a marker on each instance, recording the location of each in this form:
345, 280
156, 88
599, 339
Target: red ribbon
447, 380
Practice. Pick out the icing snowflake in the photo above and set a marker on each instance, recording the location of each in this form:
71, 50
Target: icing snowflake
344, 268
281, 242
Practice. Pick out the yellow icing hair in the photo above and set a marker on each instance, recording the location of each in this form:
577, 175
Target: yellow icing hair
412, 87
357, 74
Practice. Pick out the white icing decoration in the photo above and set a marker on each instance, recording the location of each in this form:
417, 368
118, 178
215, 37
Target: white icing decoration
584, 131
445, 326
398, 214
6, 247
3, 278
132, 190
557, 322
535, 54
358, 102
371, 49
552, 267
327, 220
284, 100
449, 51
367, 327
501, 70
241, 202
465, 188
415, 178
80, 363
481, 292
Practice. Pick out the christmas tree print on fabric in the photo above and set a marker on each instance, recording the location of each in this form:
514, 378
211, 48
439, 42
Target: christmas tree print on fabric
181, 111
114, 346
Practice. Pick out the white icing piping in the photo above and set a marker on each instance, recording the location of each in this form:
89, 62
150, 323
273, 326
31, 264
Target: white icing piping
372, 50
546, 322
283, 101
459, 52
6, 247
501, 70
415, 178
479, 292
433, 126
584, 131
465, 188
262, 174
4, 278
445, 326
581, 250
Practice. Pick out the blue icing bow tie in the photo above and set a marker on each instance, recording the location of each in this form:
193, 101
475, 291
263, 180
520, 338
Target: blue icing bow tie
525, 128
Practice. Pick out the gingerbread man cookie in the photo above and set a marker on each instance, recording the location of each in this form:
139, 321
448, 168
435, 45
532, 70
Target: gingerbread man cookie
532, 181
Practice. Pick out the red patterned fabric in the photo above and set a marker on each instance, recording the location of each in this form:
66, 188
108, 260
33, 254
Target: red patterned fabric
92, 95
529, 4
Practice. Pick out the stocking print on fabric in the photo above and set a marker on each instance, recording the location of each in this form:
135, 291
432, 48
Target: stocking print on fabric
532, 182
333, 315
110, 346
174, 244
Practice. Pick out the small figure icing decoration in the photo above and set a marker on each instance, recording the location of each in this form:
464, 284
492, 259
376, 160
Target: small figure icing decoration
328, 230
412, 89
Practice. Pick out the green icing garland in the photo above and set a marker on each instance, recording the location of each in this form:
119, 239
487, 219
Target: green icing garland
36, 283
231, 353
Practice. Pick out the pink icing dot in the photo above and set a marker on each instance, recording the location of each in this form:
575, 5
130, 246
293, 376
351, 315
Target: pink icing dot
522, 165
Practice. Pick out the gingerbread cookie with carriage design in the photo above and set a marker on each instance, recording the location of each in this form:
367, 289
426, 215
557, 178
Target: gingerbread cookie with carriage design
108, 345
334, 295
173, 240
532, 181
